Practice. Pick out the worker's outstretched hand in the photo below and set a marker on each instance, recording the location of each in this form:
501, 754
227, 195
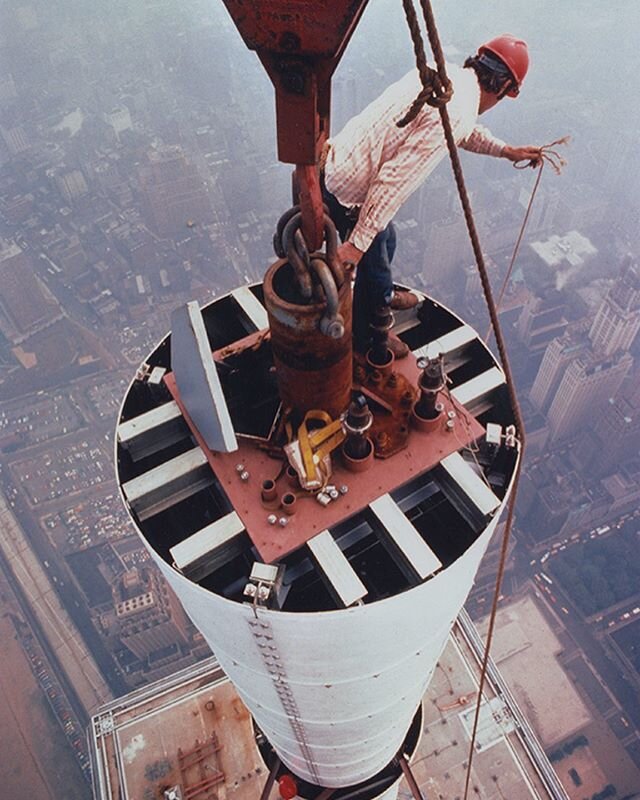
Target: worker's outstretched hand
349, 255
527, 153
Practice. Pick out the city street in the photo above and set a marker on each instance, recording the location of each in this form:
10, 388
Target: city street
598, 674
70, 596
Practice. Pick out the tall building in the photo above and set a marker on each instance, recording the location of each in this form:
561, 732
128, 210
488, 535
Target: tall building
150, 621
329, 621
119, 119
542, 319
586, 384
613, 439
558, 355
15, 139
617, 321
345, 100
71, 183
23, 304
448, 248
579, 373
175, 194
543, 212
70, 255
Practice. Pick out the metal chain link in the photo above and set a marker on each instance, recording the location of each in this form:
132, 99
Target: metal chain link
318, 275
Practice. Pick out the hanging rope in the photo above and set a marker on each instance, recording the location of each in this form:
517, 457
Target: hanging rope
493, 314
547, 155
436, 86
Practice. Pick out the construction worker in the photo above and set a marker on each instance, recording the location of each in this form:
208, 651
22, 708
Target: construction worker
372, 166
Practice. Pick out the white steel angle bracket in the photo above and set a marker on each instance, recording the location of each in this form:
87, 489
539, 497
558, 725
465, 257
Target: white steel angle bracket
197, 379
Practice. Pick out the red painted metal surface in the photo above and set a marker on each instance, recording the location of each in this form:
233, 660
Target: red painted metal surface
288, 787
387, 388
313, 370
300, 43
198, 768
423, 451
311, 205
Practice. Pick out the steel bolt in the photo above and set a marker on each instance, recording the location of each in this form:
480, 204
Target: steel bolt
244, 476
334, 494
407, 399
344, 488
323, 499
451, 414
289, 41
283, 522
450, 425
239, 468
272, 519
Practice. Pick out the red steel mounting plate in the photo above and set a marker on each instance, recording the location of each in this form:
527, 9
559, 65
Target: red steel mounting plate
423, 452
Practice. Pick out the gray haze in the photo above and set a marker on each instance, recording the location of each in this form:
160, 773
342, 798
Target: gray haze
138, 170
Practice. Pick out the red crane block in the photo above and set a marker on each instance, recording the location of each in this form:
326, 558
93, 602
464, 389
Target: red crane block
300, 43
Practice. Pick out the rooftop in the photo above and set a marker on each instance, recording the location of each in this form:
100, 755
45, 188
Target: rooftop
568, 250
139, 741
8, 249
182, 730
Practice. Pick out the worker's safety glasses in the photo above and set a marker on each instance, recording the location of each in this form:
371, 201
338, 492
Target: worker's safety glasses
502, 71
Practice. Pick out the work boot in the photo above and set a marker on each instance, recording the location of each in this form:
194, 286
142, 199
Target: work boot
397, 346
403, 299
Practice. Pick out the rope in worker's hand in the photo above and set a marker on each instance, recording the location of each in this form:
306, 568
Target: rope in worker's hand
547, 154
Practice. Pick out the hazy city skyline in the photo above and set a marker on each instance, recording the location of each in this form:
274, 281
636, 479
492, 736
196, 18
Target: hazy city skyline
138, 171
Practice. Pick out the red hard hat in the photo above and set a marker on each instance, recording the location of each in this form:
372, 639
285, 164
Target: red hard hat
514, 53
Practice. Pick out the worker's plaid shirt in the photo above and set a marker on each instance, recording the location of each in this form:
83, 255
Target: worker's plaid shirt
375, 165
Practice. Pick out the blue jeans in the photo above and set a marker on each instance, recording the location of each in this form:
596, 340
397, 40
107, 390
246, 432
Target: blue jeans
374, 285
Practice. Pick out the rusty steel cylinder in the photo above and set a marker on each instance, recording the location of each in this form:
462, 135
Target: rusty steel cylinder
313, 370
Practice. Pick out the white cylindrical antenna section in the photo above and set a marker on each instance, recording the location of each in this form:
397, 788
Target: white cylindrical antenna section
330, 626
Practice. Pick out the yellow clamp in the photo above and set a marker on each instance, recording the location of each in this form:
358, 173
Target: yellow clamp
318, 443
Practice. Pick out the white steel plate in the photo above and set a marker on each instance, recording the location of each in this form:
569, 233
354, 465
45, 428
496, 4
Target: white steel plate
470, 483
157, 374
448, 343
251, 306
478, 387
143, 423
206, 540
408, 540
197, 379
264, 572
335, 565
174, 472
